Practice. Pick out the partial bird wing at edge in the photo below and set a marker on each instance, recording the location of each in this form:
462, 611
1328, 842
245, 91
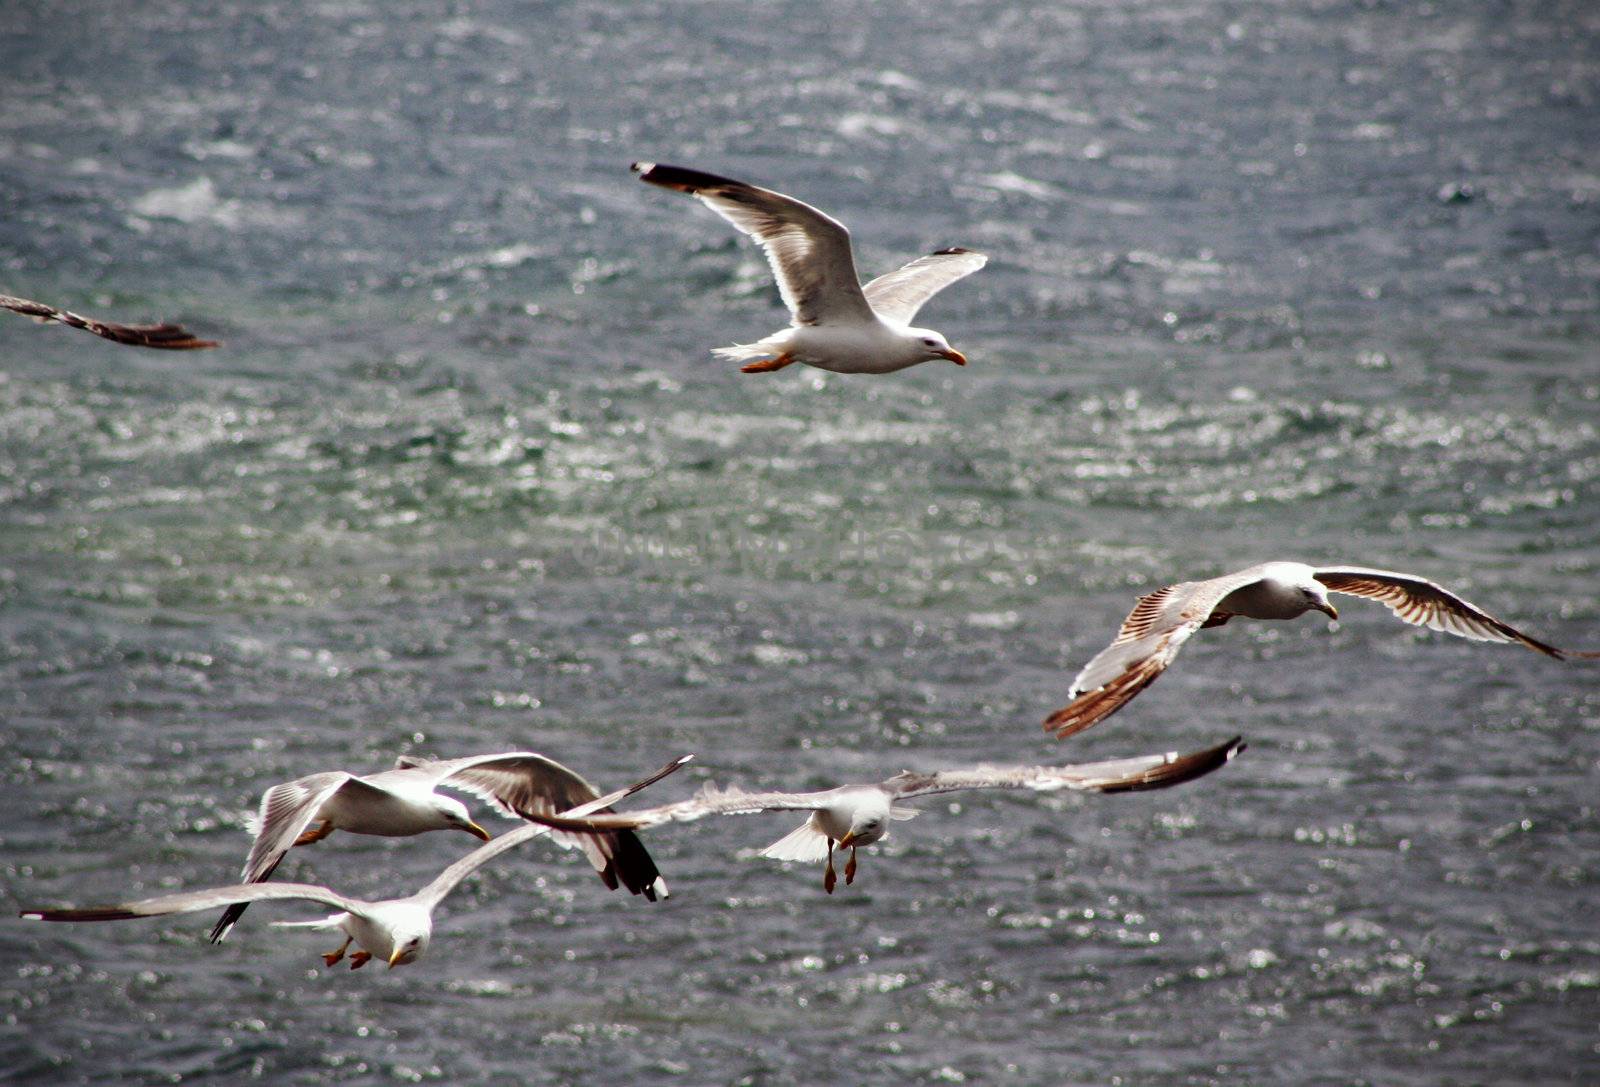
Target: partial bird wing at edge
165, 337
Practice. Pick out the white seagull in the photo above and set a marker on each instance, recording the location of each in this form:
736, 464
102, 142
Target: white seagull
835, 323
852, 816
167, 337
403, 802
396, 930
1161, 622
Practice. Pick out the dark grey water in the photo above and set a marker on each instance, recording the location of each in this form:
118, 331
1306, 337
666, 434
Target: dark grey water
1313, 280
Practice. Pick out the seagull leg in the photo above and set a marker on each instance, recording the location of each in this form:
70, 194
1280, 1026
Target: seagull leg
829, 880
316, 833
850, 868
767, 366
337, 953
358, 959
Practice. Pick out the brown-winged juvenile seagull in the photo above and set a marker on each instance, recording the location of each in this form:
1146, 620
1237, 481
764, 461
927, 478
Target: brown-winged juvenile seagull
852, 816
835, 323
166, 337
403, 802
396, 930
1161, 622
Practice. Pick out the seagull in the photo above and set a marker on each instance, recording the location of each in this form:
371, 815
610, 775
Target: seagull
1161, 622
166, 337
403, 802
396, 930
852, 816
835, 323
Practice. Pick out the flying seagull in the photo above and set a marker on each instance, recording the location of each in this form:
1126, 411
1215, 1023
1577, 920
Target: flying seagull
852, 816
402, 802
396, 930
1161, 622
167, 337
835, 323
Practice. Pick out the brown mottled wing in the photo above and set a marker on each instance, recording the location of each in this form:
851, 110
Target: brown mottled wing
1146, 644
809, 252
1422, 603
521, 782
898, 295
1136, 774
166, 337
286, 811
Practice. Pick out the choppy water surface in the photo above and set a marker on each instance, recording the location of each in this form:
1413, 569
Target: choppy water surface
1315, 281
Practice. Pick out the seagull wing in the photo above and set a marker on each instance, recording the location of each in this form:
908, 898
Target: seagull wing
286, 811
1149, 640
898, 295
711, 800
446, 881
519, 782
809, 252
1422, 603
167, 337
210, 899
1112, 776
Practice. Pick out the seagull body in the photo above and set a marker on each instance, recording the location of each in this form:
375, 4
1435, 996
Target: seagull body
1161, 622
404, 801
852, 816
836, 324
165, 337
396, 930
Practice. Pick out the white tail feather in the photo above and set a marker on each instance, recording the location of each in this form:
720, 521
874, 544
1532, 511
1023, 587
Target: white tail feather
740, 352
804, 843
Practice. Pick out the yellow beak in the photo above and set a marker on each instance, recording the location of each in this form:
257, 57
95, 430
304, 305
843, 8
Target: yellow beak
394, 958
954, 356
848, 840
1327, 609
477, 832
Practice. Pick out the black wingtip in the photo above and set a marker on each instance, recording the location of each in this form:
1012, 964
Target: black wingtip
681, 178
88, 913
1181, 768
954, 250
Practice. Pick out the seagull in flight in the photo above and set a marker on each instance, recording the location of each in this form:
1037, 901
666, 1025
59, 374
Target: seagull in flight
166, 337
1161, 622
404, 801
395, 930
852, 816
835, 323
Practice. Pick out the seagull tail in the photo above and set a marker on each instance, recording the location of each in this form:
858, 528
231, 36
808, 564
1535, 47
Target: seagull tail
743, 352
804, 843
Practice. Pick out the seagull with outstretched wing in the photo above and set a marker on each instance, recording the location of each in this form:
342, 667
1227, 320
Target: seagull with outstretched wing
836, 323
852, 816
1161, 622
405, 801
396, 930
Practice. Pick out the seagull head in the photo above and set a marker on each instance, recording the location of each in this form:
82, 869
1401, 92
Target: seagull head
931, 345
455, 815
1316, 595
866, 828
408, 947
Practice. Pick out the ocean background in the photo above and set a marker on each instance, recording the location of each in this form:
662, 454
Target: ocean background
1313, 280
